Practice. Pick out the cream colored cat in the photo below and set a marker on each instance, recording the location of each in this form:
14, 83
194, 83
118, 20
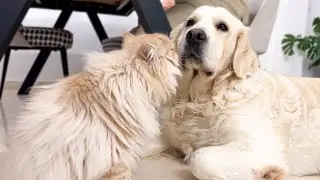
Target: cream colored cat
94, 125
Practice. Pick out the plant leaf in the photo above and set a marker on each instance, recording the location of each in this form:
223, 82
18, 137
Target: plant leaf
288, 38
314, 64
316, 21
309, 44
288, 42
316, 25
313, 53
288, 49
304, 44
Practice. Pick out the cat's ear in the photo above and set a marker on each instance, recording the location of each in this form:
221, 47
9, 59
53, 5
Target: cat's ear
128, 40
149, 52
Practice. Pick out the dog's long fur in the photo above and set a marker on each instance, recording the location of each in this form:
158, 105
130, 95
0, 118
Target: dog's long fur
238, 117
95, 124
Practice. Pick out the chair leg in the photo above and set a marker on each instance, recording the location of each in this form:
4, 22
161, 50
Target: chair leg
64, 61
34, 72
152, 16
4, 71
97, 25
42, 56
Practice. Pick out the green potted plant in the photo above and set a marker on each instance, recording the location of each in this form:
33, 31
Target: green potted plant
309, 45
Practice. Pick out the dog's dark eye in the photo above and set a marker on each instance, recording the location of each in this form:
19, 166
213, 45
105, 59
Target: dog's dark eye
222, 27
190, 22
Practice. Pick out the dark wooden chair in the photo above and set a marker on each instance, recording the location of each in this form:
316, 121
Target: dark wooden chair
39, 38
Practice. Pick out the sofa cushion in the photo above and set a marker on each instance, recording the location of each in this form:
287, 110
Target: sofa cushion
254, 6
262, 25
108, 2
44, 37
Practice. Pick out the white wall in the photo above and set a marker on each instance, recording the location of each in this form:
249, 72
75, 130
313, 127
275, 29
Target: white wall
292, 18
85, 40
295, 17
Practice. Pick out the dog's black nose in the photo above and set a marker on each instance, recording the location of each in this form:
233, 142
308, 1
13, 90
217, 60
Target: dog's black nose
196, 36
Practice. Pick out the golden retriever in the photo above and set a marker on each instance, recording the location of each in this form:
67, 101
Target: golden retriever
95, 124
229, 116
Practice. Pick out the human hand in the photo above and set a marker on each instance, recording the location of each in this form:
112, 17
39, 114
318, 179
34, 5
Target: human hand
167, 4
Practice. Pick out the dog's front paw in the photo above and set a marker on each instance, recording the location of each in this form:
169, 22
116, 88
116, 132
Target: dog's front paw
270, 172
118, 172
186, 159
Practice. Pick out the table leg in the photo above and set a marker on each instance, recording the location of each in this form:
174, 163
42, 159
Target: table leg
97, 25
152, 16
42, 56
11, 16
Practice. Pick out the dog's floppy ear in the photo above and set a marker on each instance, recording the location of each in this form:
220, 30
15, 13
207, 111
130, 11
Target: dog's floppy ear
175, 33
245, 61
148, 52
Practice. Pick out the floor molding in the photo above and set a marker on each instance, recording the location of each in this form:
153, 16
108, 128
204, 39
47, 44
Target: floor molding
16, 84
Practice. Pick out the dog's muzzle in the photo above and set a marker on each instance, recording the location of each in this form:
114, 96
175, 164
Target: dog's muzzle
195, 40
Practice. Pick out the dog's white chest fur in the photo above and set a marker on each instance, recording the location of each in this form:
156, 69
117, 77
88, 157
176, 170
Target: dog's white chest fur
200, 123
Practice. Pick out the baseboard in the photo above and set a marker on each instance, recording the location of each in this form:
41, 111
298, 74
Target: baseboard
16, 84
